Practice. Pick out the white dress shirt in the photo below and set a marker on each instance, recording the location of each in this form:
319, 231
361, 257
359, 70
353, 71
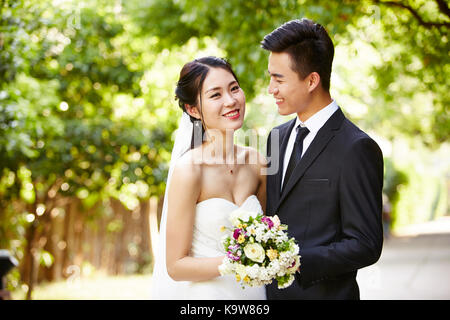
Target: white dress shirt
313, 124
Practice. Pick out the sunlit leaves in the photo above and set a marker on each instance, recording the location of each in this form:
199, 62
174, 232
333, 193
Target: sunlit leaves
411, 57
74, 102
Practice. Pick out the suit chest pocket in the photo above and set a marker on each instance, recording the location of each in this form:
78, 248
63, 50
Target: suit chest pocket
316, 183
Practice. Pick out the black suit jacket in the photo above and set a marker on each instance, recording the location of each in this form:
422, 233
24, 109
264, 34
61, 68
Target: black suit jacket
332, 205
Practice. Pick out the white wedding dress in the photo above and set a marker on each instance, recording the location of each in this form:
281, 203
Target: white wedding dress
210, 216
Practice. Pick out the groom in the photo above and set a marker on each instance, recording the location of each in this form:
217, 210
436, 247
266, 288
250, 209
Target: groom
329, 183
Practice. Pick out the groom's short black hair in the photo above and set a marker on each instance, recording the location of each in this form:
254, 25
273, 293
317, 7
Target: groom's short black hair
308, 45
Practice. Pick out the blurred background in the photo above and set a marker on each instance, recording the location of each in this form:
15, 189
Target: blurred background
87, 115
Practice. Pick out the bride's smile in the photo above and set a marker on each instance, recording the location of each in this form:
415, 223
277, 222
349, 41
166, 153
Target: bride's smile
222, 101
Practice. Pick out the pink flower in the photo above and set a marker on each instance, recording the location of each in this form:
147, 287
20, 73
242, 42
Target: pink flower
237, 233
267, 221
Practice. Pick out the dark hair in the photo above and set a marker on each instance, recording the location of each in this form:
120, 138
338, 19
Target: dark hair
190, 85
308, 45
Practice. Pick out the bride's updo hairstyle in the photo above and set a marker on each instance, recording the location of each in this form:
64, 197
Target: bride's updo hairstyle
189, 88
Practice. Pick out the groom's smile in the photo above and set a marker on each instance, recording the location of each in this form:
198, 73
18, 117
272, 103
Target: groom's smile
279, 101
290, 92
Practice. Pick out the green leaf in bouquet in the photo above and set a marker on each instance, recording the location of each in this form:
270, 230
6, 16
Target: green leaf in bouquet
283, 279
226, 243
284, 246
270, 244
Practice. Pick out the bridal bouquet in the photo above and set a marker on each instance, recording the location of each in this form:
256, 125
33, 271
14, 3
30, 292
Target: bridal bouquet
259, 250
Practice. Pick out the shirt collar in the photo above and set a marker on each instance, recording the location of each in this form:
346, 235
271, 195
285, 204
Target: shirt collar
317, 120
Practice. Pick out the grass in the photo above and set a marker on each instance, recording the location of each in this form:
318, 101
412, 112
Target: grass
133, 287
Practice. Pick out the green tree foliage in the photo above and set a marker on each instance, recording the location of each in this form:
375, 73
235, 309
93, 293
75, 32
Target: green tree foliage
60, 81
410, 37
63, 72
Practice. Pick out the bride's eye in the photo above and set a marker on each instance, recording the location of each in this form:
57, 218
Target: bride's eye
215, 95
235, 88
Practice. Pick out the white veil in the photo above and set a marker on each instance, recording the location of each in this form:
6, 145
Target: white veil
163, 287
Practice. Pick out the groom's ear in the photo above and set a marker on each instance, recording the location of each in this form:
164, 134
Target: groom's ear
313, 81
193, 111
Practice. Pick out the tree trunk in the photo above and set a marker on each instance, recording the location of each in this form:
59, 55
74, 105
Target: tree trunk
29, 271
68, 236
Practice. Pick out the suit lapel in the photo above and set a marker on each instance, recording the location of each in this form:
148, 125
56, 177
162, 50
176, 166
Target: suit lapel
323, 137
276, 152
284, 137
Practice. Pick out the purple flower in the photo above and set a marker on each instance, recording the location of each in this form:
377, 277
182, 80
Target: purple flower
234, 248
237, 233
267, 221
232, 257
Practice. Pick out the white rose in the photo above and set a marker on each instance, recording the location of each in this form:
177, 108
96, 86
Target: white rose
255, 252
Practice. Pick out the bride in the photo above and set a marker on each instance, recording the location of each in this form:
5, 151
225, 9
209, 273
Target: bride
209, 177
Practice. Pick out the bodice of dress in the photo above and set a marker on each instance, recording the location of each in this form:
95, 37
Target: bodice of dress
210, 216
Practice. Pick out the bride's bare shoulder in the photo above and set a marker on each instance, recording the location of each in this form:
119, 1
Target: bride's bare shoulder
187, 169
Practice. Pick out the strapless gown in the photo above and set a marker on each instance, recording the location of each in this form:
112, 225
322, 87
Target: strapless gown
210, 216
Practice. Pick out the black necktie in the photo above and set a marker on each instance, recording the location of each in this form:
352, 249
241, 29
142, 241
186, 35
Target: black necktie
296, 155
